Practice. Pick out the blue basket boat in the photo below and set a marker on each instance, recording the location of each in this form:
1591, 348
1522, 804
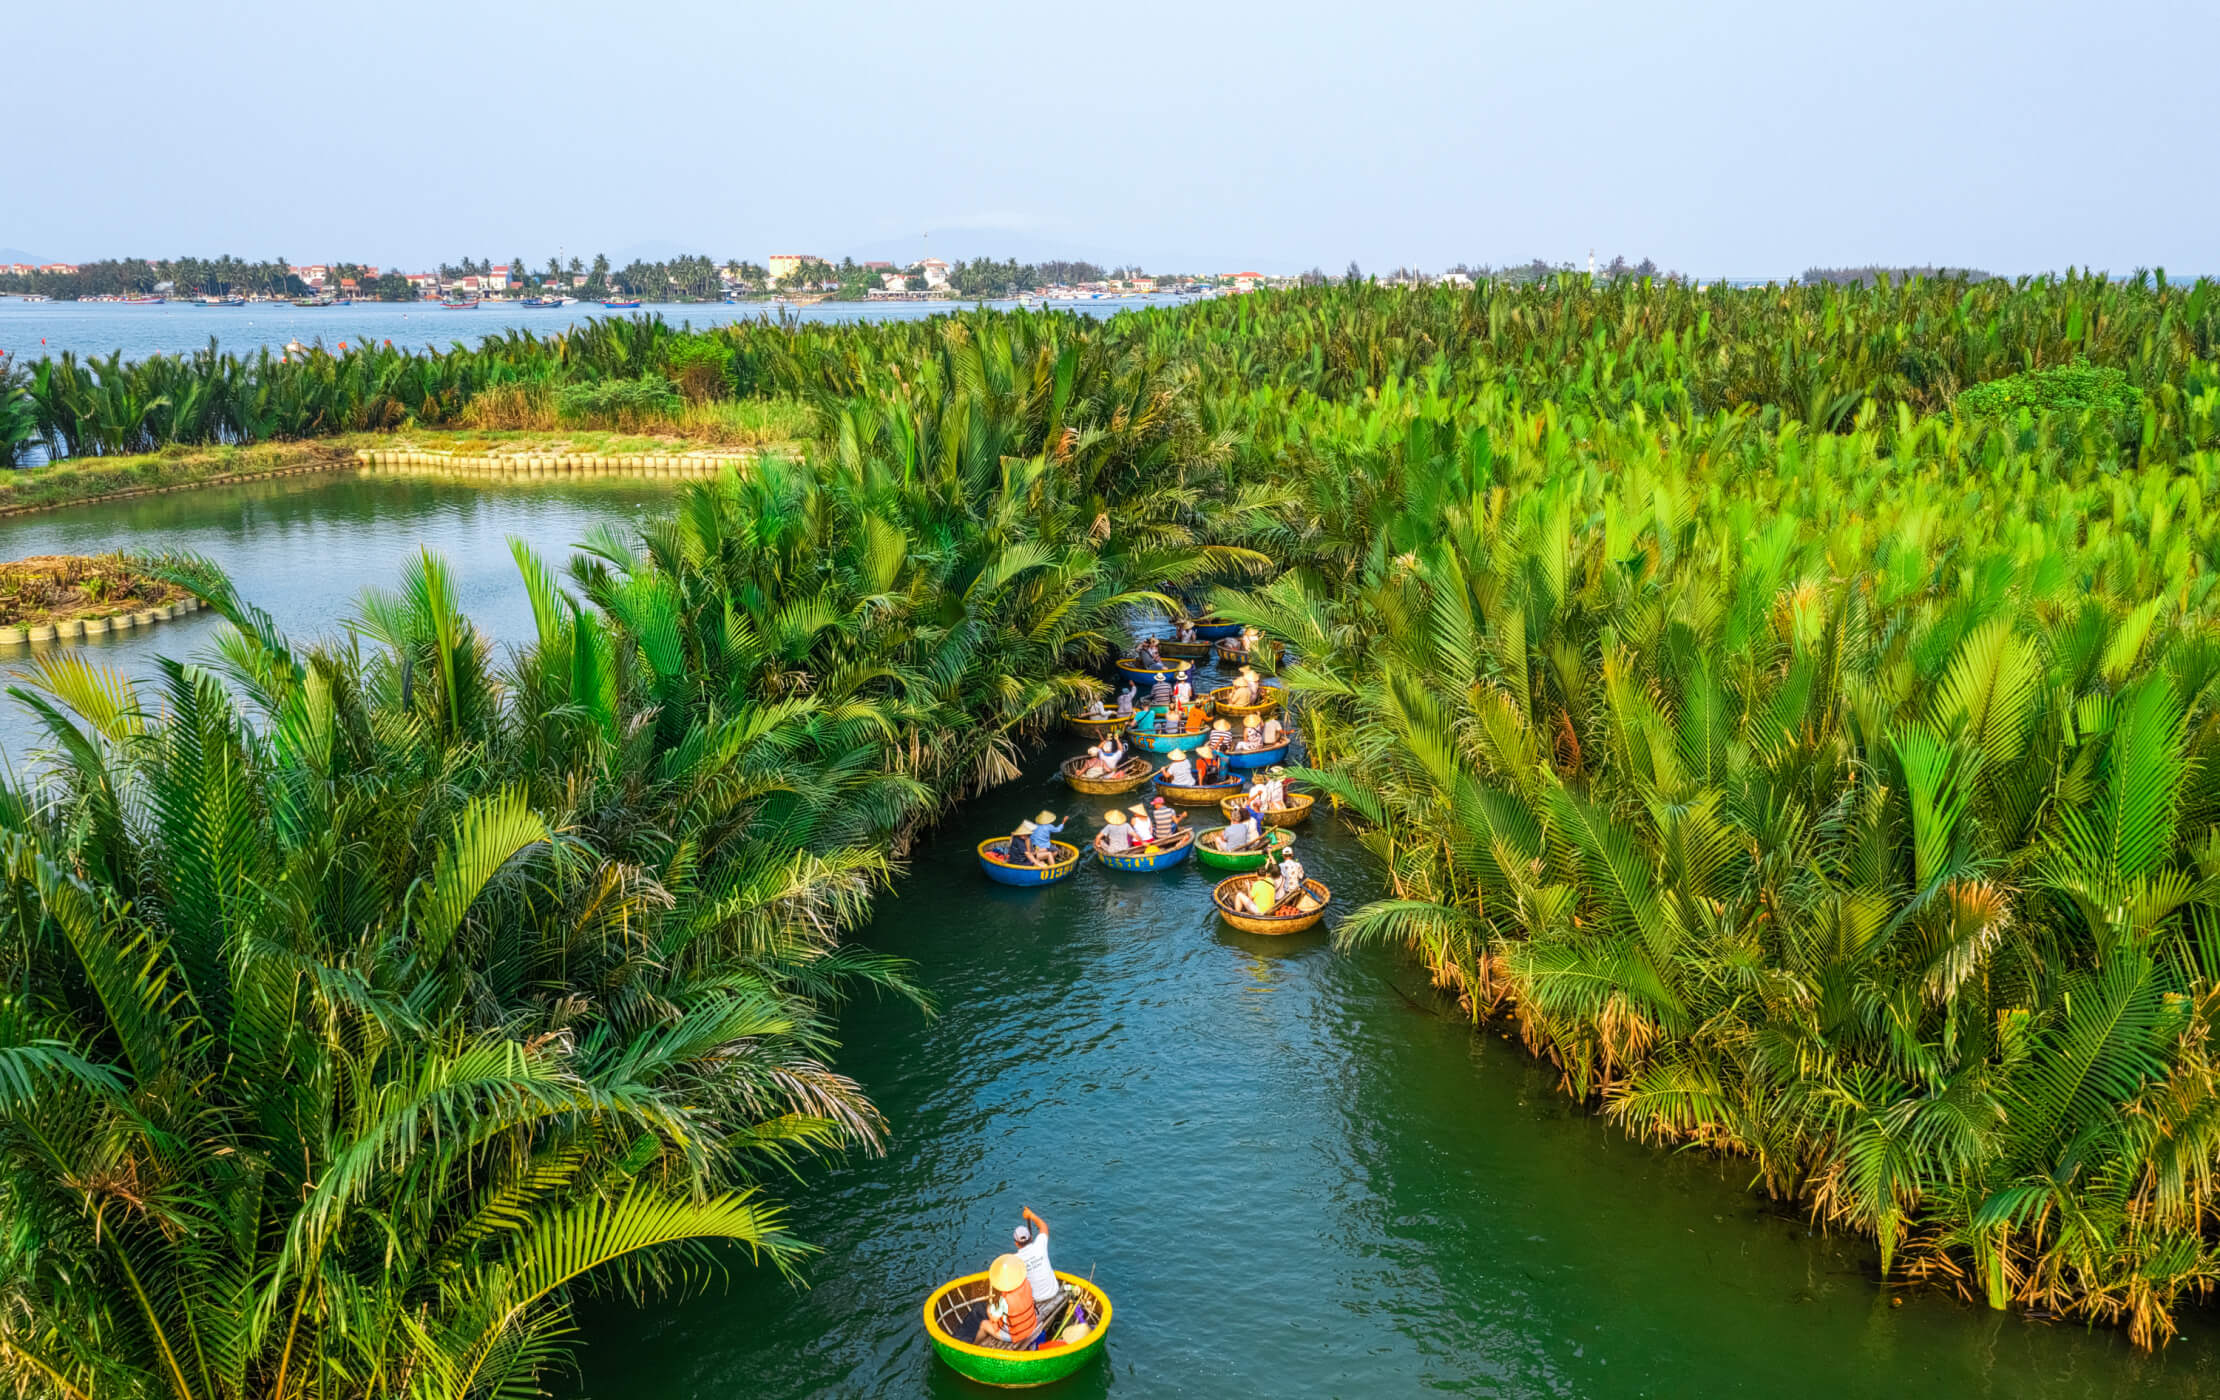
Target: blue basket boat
1162, 858
1190, 740
1004, 873
1258, 758
1211, 631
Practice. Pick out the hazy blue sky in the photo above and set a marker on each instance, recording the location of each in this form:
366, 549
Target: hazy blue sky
1723, 138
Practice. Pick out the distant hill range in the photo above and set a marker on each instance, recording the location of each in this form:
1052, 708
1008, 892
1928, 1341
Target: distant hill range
17, 255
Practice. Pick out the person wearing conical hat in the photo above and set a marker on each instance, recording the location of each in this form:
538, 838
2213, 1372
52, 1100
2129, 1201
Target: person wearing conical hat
1117, 837
1018, 850
1043, 835
1179, 772
1137, 816
1251, 734
1245, 687
1221, 734
1094, 767
1011, 1318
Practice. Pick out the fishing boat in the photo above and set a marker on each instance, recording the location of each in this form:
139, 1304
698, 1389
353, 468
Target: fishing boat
467, 304
1098, 728
1258, 758
144, 301
1130, 775
1003, 873
1141, 671
952, 1318
1186, 651
1293, 921
1221, 702
1295, 813
1217, 857
313, 301
622, 305
1198, 794
1147, 858
1210, 629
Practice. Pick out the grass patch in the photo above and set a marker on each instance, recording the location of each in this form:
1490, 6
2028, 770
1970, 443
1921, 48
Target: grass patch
83, 478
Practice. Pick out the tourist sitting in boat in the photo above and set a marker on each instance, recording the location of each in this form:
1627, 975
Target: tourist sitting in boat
1117, 837
1032, 1247
1165, 819
1125, 699
1179, 772
1043, 837
1147, 653
1160, 694
1144, 830
1246, 691
1243, 832
1186, 629
1251, 639
1094, 709
1256, 897
1094, 767
1208, 764
1018, 850
1221, 734
1113, 753
1012, 1317
1252, 731
1275, 733
1183, 691
1198, 719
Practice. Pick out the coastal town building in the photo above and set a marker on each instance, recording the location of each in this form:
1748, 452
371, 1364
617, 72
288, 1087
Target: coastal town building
65, 269
498, 279
936, 272
787, 264
20, 269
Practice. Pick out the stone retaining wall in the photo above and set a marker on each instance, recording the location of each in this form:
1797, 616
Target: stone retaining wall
76, 628
553, 464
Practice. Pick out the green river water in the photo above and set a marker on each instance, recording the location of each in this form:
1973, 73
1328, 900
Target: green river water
1295, 1172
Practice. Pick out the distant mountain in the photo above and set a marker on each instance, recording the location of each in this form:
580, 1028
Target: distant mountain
17, 255
953, 244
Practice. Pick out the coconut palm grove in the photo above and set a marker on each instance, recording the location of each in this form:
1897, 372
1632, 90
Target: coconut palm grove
1791, 713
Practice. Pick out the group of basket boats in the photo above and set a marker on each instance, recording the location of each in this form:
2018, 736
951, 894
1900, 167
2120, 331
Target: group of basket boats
952, 1313
1138, 772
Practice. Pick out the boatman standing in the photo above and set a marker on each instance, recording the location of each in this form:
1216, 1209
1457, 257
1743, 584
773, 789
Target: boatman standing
1032, 1247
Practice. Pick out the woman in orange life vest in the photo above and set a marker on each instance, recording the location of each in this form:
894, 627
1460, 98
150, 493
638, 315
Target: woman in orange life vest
1011, 1318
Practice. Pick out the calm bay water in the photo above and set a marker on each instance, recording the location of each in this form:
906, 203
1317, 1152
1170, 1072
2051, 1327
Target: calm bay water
29, 329
1294, 1174
304, 548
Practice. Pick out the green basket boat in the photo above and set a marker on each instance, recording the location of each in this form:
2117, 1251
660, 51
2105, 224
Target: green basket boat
1239, 860
952, 1314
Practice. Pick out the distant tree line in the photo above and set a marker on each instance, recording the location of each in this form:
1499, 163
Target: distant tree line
1867, 276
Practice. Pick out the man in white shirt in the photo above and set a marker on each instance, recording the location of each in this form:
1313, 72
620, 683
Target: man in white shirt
1032, 1247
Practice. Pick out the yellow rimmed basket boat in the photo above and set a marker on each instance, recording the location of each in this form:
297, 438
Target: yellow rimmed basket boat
1198, 794
1267, 653
1098, 728
1294, 921
1185, 651
1131, 774
1295, 813
1221, 701
952, 1319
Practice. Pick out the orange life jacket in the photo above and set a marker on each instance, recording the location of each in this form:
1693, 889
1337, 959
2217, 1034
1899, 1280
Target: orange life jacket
1024, 1318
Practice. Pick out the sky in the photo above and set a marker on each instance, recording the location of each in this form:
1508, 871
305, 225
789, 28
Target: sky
1722, 139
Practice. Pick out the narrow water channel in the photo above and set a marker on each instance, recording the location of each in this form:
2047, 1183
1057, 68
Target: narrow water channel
304, 549
1295, 1176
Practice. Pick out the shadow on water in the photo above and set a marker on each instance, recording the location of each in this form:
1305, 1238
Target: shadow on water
1294, 1178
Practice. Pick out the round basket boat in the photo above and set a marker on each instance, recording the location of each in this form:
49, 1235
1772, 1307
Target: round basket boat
1221, 700
1270, 923
1267, 653
1185, 651
1169, 669
1003, 873
1098, 728
1294, 814
952, 1319
1190, 739
1210, 629
1148, 858
1130, 775
1217, 859
1198, 794
1257, 758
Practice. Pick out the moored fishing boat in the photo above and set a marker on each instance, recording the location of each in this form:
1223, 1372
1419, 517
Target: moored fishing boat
1003, 873
1197, 794
1141, 671
468, 304
1221, 701
1295, 813
1293, 921
952, 1317
1219, 858
1130, 775
622, 305
1146, 858
1257, 758
1098, 728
